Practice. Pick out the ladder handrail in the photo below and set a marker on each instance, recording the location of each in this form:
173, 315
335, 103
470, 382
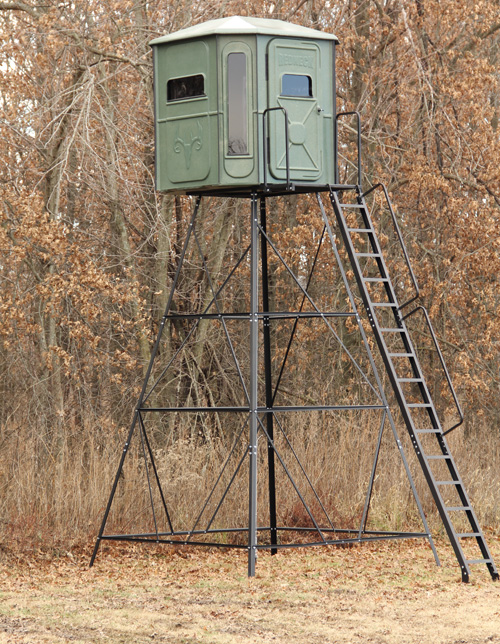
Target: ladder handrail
358, 118
401, 242
267, 155
443, 364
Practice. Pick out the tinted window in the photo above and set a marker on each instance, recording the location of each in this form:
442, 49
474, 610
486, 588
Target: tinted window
237, 124
296, 85
187, 87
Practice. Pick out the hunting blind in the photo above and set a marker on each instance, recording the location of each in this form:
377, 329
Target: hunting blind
220, 86
246, 107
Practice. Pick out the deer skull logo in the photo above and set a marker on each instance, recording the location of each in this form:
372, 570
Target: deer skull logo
195, 143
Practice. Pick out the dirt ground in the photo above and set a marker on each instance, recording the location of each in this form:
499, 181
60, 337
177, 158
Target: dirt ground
384, 593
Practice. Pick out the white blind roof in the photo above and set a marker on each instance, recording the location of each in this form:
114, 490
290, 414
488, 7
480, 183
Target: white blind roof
244, 25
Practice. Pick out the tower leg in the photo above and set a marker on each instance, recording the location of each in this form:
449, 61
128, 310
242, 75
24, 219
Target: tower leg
268, 382
144, 385
254, 357
113, 489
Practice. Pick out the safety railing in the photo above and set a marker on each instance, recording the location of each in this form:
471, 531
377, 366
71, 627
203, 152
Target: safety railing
358, 120
443, 364
267, 155
401, 242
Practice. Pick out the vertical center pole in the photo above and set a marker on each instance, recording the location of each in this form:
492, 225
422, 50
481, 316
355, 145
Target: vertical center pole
254, 365
268, 379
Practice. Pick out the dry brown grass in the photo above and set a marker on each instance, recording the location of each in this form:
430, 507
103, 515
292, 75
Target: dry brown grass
48, 501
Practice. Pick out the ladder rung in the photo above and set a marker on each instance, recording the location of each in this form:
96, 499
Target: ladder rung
478, 561
398, 330
375, 279
419, 405
457, 508
410, 380
438, 456
463, 535
361, 230
388, 304
401, 355
436, 430
351, 205
368, 254
448, 483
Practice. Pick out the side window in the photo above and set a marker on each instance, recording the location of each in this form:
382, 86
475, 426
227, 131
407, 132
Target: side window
296, 85
186, 87
237, 117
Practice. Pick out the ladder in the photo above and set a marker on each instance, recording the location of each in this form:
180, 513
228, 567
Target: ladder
407, 379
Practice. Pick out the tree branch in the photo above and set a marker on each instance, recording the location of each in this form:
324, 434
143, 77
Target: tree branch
18, 6
478, 35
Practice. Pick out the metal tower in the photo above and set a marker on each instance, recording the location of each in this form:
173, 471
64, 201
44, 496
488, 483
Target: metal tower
261, 417
245, 109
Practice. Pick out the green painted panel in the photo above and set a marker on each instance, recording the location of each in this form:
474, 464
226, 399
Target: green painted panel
237, 100
300, 59
186, 127
189, 149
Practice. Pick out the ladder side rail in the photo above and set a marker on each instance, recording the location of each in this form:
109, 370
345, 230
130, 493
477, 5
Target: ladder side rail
416, 368
469, 511
373, 319
375, 371
458, 483
377, 251
434, 485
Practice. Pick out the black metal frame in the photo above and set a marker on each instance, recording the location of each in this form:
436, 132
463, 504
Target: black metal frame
261, 419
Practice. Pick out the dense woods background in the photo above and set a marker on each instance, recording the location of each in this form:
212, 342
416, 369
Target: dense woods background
88, 248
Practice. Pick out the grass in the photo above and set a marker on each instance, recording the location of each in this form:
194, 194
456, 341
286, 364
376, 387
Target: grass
384, 593
56, 504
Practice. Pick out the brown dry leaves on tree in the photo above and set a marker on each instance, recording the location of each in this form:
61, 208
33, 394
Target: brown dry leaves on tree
89, 249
